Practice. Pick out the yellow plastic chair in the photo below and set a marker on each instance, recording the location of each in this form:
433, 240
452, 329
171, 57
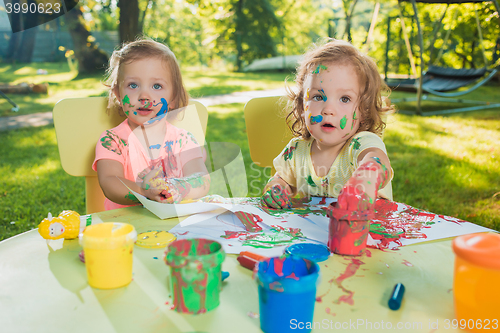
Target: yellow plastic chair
268, 132
79, 123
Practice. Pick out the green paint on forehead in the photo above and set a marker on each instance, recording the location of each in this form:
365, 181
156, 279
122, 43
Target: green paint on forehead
319, 68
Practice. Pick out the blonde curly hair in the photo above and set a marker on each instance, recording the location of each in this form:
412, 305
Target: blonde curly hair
371, 105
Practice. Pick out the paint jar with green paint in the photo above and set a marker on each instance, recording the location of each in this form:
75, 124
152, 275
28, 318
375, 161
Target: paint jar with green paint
195, 279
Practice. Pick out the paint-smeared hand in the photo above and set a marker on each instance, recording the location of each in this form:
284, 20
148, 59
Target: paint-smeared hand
277, 196
156, 186
360, 192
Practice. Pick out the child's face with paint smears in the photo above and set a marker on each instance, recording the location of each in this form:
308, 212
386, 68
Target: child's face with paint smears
331, 95
144, 86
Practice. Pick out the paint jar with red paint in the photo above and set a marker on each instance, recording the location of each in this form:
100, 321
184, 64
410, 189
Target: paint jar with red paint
348, 230
195, 279
476, 287
287, 293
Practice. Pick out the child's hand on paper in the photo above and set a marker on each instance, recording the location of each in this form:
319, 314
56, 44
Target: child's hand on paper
277, 196
156, 187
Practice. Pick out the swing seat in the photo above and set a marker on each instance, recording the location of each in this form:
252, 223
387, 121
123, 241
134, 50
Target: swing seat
440, 79
449, 79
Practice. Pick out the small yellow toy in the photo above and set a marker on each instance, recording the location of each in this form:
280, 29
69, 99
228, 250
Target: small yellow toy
66, 225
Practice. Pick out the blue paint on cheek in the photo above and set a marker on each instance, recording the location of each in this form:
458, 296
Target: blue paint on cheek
316, 120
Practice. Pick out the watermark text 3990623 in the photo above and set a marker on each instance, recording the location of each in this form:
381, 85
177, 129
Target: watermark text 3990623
26, 14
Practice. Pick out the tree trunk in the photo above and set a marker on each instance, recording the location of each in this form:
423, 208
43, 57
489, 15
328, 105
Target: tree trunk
90, 58
25, 50
129, 20
238, 34
15, 39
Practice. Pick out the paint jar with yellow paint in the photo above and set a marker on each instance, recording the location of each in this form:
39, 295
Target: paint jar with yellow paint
476, 287
108, 251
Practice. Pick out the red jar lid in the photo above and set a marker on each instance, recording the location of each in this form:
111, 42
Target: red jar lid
482, 249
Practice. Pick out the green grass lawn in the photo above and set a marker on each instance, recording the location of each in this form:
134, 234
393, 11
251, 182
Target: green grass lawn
64, 83
444, 164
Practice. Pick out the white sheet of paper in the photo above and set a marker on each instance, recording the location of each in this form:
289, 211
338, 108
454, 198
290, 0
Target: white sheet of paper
165, 211
313, 226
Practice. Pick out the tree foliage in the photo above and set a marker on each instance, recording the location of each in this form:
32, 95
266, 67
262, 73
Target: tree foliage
237, 32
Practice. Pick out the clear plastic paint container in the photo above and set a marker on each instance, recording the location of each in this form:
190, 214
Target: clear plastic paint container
287, 293
195, 280
348, 231
476, 283
108, 251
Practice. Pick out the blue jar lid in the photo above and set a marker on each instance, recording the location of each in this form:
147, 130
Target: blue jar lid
311, 251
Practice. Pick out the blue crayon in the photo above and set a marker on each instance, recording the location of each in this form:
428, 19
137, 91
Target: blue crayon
396, 296
225, 275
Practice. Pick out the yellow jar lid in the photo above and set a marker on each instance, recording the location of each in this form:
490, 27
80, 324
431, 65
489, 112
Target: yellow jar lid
154, 239
481, 249
108, 235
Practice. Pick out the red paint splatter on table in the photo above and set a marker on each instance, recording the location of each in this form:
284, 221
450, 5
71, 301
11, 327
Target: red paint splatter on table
350, 270
407, 263
329, 311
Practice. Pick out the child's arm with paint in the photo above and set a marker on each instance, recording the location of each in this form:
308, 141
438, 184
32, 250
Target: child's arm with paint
277, 193
372, 174
194, 185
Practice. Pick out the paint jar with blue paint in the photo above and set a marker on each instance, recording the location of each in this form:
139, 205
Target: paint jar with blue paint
287, 293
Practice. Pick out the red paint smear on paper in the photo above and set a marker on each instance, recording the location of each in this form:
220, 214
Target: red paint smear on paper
183, 233
390, 224
368, 253
234, 234
323, 201
249, 220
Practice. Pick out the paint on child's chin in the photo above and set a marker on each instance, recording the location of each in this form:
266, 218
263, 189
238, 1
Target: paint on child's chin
135, 113
343, 122
319, 68
315, 120
127, 113
323, 95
